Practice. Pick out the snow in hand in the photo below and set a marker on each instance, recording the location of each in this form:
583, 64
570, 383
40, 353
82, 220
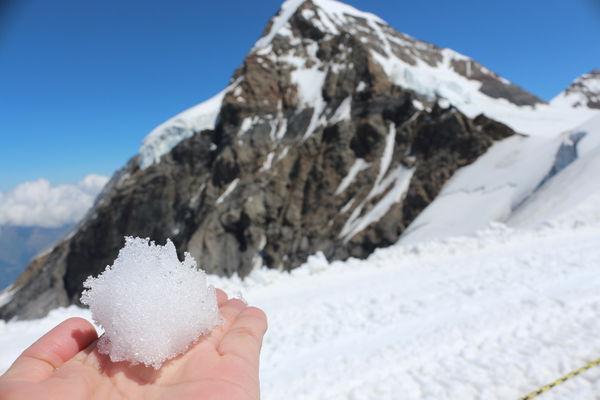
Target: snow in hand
152, 306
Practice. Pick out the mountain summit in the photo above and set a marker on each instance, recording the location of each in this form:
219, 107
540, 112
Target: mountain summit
584, 92
333, 135
291, 42
427, 69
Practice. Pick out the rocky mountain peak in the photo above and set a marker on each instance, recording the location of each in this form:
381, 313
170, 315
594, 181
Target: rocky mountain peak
584, 92
308, 38
408, 62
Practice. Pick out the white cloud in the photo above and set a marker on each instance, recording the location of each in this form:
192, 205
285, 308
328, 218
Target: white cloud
38, 203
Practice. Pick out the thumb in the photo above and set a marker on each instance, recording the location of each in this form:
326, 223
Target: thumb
52, 350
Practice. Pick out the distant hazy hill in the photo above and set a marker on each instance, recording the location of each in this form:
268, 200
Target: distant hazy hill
18, 245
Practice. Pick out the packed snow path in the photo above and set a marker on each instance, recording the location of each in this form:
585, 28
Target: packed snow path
489, 317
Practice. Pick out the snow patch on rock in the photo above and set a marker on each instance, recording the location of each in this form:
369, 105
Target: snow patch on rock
182, 126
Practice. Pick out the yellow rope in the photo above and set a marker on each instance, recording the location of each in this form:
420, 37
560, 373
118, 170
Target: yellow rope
562, 379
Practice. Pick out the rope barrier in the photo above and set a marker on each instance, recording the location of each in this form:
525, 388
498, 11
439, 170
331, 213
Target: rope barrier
562, 379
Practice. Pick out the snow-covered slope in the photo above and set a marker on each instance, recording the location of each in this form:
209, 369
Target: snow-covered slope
520, 180
524, 180
433, 73
573, 195
493, 316
487, 190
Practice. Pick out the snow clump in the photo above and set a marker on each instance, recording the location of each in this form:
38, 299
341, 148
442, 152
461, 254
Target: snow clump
152, 306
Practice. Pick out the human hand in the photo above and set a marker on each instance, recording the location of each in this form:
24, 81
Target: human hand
65, 363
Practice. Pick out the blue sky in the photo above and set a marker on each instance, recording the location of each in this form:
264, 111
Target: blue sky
81, 83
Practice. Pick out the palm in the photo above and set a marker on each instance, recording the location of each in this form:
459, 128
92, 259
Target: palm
223, 365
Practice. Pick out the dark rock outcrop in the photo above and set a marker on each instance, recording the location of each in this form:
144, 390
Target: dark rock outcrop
278, 178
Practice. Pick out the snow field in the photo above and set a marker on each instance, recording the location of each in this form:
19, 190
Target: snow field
462, 321
492, 316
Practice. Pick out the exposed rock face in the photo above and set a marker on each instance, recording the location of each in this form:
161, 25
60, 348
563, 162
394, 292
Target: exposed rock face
314, 149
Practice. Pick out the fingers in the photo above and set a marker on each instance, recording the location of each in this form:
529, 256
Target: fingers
221, 297
230, 310
244, 337
243, 329
53, 349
